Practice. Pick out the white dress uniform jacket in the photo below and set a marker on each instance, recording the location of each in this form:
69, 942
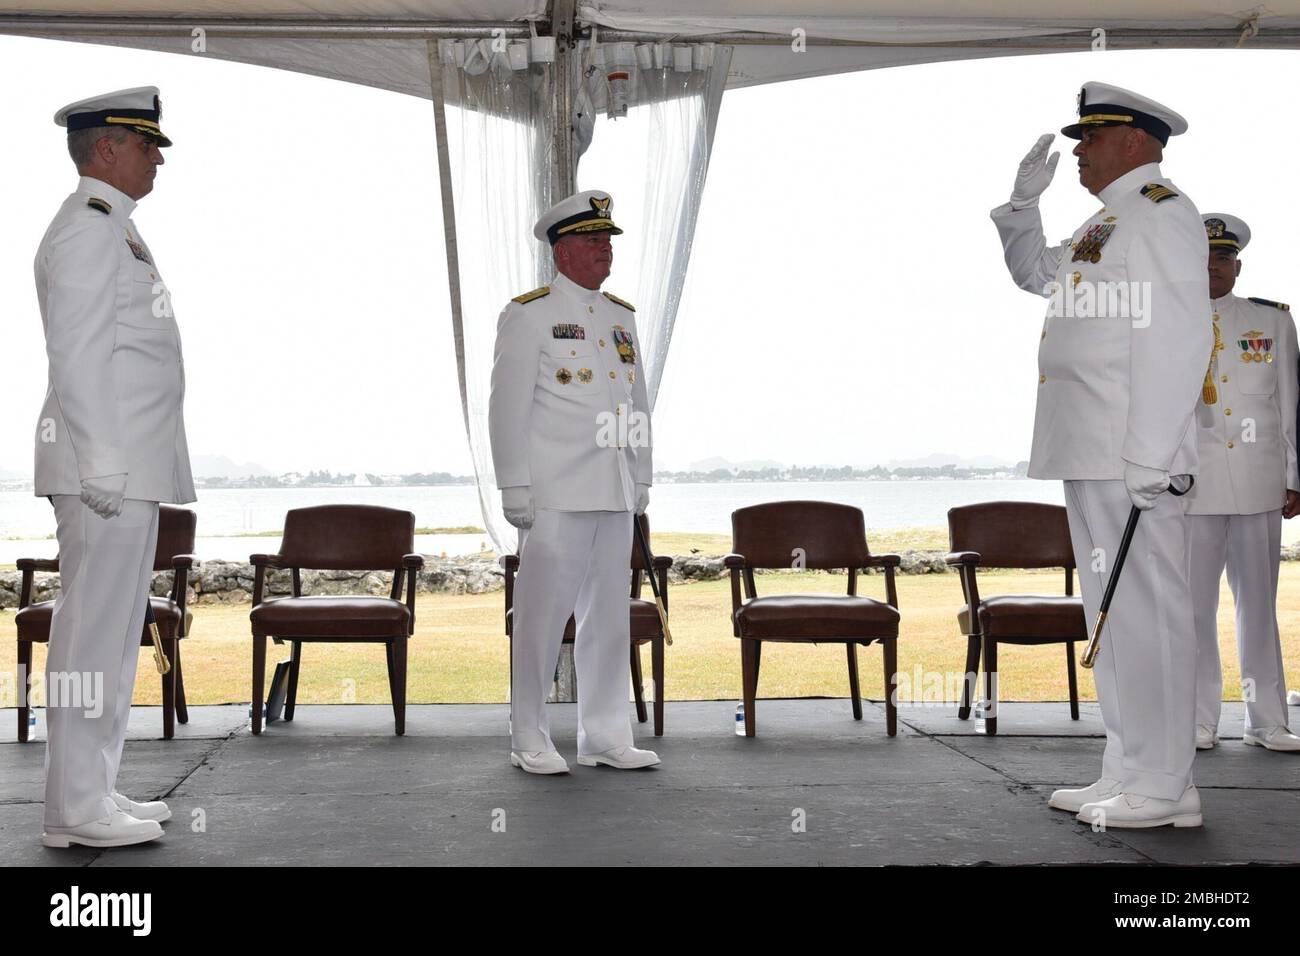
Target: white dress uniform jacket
1114, 388
1247, 437
567, 375
117, 378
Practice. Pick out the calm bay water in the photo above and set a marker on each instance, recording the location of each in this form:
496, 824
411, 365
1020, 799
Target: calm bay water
700, 508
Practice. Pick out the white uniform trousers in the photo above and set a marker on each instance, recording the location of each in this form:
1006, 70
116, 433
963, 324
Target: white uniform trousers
1250, 546
1146, 669
573, 562
104, 572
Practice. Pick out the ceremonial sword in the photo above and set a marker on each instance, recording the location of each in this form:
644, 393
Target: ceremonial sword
1094, 642
648, 560
159, 658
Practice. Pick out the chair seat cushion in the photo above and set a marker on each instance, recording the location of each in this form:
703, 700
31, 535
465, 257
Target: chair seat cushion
33, 621
1029, 619
323, 616
810, 617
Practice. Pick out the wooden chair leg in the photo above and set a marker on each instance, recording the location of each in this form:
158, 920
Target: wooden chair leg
1074, 680
25, 673
169, 690
259, 680
291, 695
749, 661
638, 684
970, 676
891, 685
657, 668
855, 694
990, 686
182, 709
399, 685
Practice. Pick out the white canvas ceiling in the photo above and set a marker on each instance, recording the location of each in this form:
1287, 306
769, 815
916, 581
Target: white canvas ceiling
380, 43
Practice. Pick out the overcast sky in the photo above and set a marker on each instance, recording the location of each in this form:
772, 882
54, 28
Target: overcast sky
847, 301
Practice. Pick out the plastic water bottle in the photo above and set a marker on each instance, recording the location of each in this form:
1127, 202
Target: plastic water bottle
740, 719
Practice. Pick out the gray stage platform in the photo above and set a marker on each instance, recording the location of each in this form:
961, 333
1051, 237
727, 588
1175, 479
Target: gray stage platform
336, 787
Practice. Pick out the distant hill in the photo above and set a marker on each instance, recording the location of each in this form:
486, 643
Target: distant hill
714, 464
941, 459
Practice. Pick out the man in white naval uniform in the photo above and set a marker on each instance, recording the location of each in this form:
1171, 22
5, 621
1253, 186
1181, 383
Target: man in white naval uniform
571, 447
1248, 481
110, 445
1121, 361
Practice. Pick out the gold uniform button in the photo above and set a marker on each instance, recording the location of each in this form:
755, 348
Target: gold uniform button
1227, 411
1229, 444
572, 352
1042, 379
618, 410
590, 309
1044, 335
602, 343
1225, 378
611, 375
1215, 317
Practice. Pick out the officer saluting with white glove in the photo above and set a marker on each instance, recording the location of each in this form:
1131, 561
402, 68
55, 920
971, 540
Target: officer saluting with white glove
110, 445
571, 446
1121, 362
1248, 482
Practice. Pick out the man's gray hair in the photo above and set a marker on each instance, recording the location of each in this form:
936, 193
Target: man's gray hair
81, 142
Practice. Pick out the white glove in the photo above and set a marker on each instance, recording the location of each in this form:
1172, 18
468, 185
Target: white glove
1035, 175
642, 498
1144, 484
517, 503
103, 495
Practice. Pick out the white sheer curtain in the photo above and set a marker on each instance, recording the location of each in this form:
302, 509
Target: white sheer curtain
494, 112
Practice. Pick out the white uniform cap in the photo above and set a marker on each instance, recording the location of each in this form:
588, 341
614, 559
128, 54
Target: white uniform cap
1101, 104
1225, 230
138, 108
589, 211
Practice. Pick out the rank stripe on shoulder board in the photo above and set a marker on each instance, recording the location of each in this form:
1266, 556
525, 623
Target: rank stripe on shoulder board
95, 203
1157, 193
530, 296
615, 299
1277, 305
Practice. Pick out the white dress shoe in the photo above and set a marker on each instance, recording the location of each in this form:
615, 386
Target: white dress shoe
154, 810
1293, 698
1206, 737
1131, 811
1272, 738
119, 828
624, 758
539, 761
1073, 800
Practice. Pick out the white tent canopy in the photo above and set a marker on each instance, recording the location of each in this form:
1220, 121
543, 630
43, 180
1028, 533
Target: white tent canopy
381, 43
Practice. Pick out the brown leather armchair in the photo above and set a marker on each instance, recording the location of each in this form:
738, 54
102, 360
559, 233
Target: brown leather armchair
174, 552
646, 626
1013, 534
814, 535
338, 538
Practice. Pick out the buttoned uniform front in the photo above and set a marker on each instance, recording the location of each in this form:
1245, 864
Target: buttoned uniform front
569, 418
113, 406
1247, 445
116, 390
1114, 390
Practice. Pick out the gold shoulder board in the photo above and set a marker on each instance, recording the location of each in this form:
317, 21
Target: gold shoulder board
615, 299
1157, 193
1277, 305
96, 203
535, 294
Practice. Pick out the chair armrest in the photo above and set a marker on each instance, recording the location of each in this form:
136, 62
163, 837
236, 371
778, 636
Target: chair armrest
184, 561
663, 562
510, 562
37, 564
962, 557
413, 561
736, 561
884, 561
267, 561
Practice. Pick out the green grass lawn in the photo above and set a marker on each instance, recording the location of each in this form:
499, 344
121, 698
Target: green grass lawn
458, 653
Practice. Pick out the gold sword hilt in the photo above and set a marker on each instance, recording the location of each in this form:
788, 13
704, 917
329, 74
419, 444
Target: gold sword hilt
663, 622
1094, 642
159, 658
